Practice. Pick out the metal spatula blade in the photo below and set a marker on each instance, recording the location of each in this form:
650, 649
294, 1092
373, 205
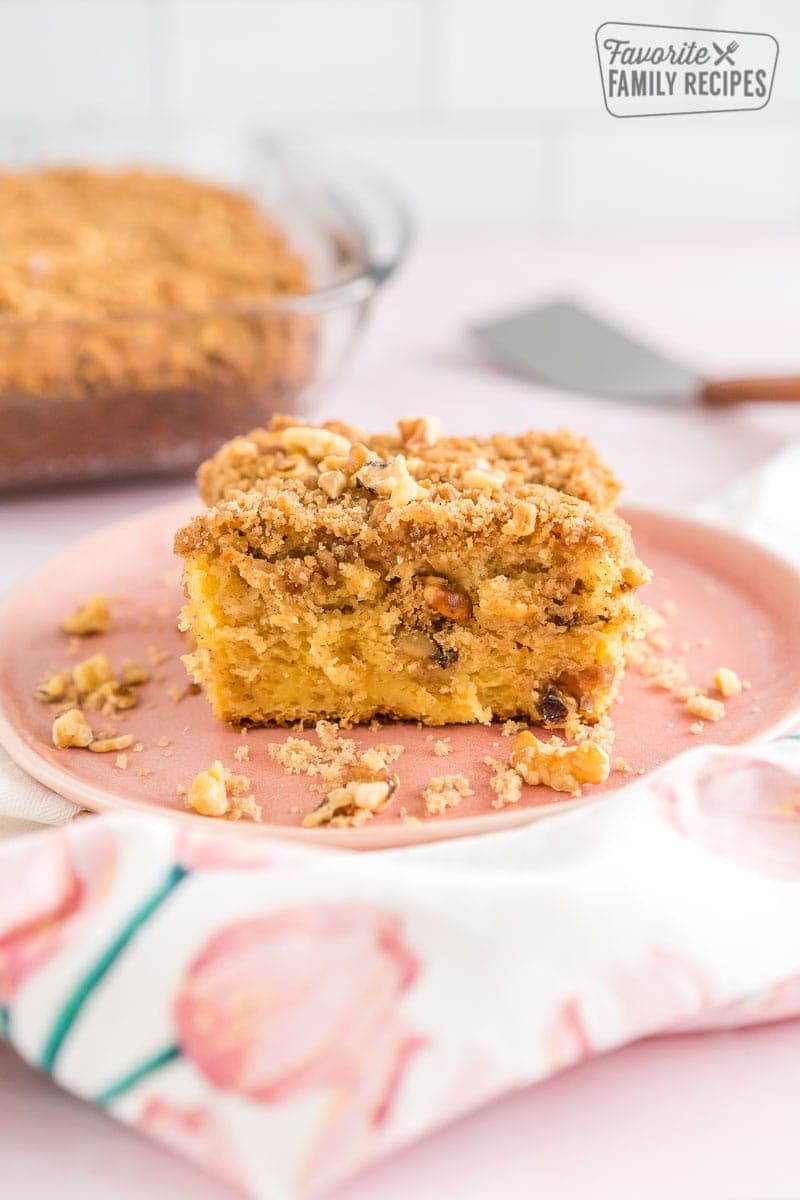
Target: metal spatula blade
567, 346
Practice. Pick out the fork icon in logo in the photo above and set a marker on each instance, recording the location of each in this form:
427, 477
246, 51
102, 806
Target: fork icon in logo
725, 55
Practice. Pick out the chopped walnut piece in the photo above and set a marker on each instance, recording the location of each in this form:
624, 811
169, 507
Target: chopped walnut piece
94, 616
72, 729
392, 479
219, 793
416, 644
704, 707
420, 431
315, 443
727, 682
54, 687
523, 519
208, 794
110, 697
446, 600
111, 744
563, 768
131, 674
91, 673
484, 478
333, 483
443, 792
352, 804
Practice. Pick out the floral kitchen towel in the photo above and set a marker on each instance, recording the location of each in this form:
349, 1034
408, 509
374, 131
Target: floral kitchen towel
284, 1015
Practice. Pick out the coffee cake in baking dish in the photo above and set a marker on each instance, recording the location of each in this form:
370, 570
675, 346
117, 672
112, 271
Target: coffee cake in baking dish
341, 575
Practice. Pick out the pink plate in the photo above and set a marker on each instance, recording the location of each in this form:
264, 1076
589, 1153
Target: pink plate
734, 605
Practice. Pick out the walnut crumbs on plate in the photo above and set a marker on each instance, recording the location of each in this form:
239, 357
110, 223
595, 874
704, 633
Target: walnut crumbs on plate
337, 574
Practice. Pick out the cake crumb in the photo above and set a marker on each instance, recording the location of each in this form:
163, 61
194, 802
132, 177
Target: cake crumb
442, 747
704, 707
443, 792
704, 642
163, 741
143, 772
669, 608
623, 766
512, 728
563, 768
335, 760
697, 727
242, 753
665, 673
407, 818
727, 682
121, 762
506, 783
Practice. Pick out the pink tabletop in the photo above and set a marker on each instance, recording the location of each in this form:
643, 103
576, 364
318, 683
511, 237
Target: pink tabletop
706, 1116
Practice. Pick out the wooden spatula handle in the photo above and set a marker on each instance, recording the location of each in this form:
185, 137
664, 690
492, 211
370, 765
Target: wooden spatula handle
742, 391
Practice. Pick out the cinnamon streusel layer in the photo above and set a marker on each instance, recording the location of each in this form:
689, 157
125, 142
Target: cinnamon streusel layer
447, 580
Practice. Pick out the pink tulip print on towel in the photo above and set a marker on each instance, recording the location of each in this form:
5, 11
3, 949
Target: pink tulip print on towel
284, 1015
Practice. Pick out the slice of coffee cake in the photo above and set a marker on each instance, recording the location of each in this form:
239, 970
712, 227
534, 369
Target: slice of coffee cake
447, 580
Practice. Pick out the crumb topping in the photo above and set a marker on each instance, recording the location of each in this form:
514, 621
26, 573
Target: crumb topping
505, 782
401, 467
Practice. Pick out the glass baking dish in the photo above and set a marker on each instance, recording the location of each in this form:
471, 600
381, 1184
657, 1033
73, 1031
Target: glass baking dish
155, 392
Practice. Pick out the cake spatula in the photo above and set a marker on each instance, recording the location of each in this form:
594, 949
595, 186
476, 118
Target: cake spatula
564, 344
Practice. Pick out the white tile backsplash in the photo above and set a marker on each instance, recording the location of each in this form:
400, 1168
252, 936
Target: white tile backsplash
487, 112
517, 55
720, 171
69, 58
459, 179
264, 59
